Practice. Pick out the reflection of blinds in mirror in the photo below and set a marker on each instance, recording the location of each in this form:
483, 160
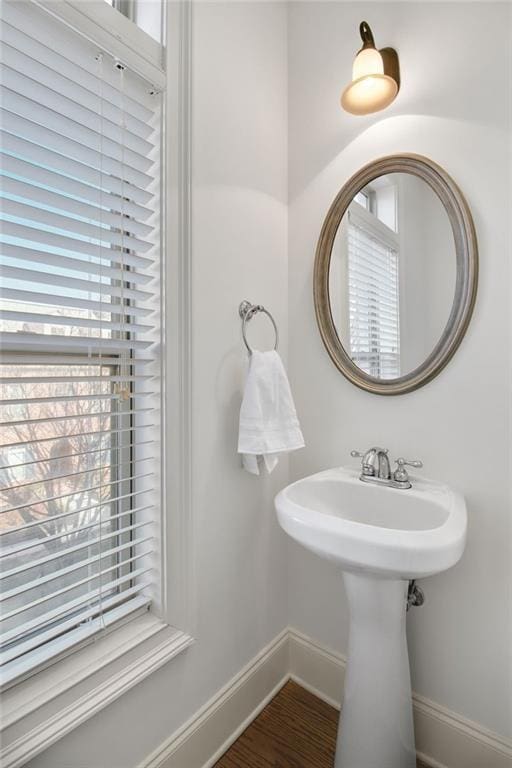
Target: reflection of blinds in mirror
373, 293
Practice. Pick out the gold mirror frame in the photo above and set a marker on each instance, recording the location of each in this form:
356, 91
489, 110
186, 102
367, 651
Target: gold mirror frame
465, 285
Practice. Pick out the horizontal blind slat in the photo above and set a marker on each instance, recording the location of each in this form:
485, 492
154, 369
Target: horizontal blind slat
51, 459
90, 305
60, 496
25, 116
102, 555
51, 616
94, 360
17, 121
77, 263
95, 433
77, 398
102, 235
27, 545
69, 109
108, 378
20, 649
53, 342
76, 417
68, 588
69, 205
43, 65
94, 287
68, 550
43, 166
366, 301
79, 322
112, 466
53, 240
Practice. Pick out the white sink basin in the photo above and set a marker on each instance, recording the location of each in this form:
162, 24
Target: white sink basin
401, 534
381, 537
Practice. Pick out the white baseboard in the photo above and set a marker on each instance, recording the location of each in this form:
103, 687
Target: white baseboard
316, 668
454, 741
201, 741
444, 739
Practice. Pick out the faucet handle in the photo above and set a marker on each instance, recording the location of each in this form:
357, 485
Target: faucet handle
366, 468
401, 475
401, 462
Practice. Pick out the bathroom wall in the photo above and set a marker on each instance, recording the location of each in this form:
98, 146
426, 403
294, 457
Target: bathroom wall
454, 106
239, 192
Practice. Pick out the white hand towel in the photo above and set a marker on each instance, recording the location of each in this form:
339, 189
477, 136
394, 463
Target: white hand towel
268, 420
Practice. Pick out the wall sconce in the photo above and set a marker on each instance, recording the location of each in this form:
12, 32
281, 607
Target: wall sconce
375, 77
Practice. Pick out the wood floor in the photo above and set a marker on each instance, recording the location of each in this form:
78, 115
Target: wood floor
296, 730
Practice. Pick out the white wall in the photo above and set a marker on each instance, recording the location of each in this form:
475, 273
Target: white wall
454, 106
239, 251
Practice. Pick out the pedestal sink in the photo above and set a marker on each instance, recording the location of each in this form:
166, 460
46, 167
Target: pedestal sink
381, 538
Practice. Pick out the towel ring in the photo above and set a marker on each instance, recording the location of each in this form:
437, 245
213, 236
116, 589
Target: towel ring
246, 310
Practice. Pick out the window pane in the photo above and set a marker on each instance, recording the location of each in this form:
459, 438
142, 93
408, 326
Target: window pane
57, 482
147, 15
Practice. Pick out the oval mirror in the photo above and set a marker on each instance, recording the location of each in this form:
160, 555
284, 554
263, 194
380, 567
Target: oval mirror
395, 274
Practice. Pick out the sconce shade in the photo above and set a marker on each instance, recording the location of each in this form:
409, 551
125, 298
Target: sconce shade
375, 78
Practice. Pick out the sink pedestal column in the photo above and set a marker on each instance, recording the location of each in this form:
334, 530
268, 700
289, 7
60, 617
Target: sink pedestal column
376, 727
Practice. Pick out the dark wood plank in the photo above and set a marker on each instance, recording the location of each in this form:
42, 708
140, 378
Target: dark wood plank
296, 730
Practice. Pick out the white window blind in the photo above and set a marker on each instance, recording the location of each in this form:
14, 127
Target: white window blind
373, 288
79, 339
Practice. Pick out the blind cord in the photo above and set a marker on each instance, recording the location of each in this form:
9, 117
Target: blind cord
100, 59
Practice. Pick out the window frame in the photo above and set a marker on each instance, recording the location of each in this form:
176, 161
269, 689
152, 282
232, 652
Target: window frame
115, 33
136, 11
41, 709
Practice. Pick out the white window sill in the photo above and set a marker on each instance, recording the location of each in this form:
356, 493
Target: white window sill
42, 709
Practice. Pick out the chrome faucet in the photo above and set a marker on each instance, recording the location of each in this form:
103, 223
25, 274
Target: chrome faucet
375, 468
375, 463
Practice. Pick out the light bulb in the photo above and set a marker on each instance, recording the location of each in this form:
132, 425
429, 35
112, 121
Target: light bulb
367, 62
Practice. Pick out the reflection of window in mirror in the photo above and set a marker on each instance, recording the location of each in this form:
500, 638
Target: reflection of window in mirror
363, 198
373, 281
